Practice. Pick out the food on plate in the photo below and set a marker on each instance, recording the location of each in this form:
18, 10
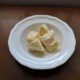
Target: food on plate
36, 45
44, 38
43, 29
32, 35
48, 37
48, 41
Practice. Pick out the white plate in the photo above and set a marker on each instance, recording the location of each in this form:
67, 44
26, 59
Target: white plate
18, 45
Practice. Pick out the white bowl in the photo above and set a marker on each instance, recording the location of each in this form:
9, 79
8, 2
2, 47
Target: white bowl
18, 45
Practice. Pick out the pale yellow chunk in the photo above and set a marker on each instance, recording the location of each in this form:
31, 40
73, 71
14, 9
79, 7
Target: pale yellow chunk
36, 46
43, 29
32, 35
52, 46
48, 41
47, 38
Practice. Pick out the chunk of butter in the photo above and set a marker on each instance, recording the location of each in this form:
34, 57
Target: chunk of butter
48, 41
52, 46
32, 35
43, 29
36, 46
47, 38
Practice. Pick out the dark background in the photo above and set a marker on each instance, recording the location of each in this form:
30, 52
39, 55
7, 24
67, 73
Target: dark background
41, 2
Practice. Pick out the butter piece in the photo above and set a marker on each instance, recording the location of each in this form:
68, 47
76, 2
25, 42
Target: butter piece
36, 46
52, 46
43, 29
32, 35
48, 41
47, 38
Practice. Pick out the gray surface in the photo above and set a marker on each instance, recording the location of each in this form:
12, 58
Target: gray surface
41, 2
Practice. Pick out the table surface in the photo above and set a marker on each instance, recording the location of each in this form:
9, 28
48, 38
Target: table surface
12, 70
